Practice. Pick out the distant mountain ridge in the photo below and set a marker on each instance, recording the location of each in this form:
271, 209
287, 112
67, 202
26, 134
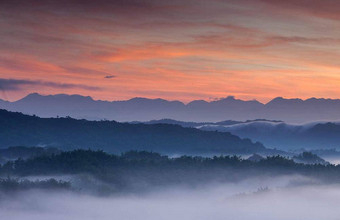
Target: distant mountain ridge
202, 124
143, 109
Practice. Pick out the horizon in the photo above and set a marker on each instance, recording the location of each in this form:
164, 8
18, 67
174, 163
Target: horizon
173, 100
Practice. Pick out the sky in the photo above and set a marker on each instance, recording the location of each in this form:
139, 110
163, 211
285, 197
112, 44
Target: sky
177, 50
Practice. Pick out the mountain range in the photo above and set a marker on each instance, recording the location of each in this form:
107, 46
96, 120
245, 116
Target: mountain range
17, 129
143, 109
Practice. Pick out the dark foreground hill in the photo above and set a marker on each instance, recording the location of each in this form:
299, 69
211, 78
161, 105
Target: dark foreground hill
17, 129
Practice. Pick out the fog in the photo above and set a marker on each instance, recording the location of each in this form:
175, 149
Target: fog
293, 197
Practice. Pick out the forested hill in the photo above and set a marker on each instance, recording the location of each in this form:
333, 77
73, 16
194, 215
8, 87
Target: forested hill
17, 129
138, 171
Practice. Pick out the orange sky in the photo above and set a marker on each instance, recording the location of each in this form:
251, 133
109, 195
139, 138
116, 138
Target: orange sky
183, 50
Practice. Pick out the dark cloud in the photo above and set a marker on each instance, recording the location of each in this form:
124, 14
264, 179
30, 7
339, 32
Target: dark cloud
320, 8
305, 40
324, 8
110, 76
89, 6
19, 84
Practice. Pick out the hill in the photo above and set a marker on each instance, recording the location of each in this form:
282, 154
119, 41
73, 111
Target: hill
323, 135
13, 153
138, 171
17, 129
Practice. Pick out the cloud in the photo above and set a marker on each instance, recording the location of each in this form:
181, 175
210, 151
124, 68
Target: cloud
83, 70
19, 84
215, 48
325, 9
110, 76
304, 40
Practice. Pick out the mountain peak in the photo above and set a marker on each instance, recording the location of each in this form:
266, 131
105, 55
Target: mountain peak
39, 97
33, 94
229, 98
281, 100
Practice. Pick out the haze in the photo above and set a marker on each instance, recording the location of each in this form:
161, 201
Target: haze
293, 198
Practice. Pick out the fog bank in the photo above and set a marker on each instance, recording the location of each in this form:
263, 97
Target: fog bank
292, 198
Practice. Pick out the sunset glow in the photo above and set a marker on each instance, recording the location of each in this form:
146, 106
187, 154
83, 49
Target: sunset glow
177, 50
